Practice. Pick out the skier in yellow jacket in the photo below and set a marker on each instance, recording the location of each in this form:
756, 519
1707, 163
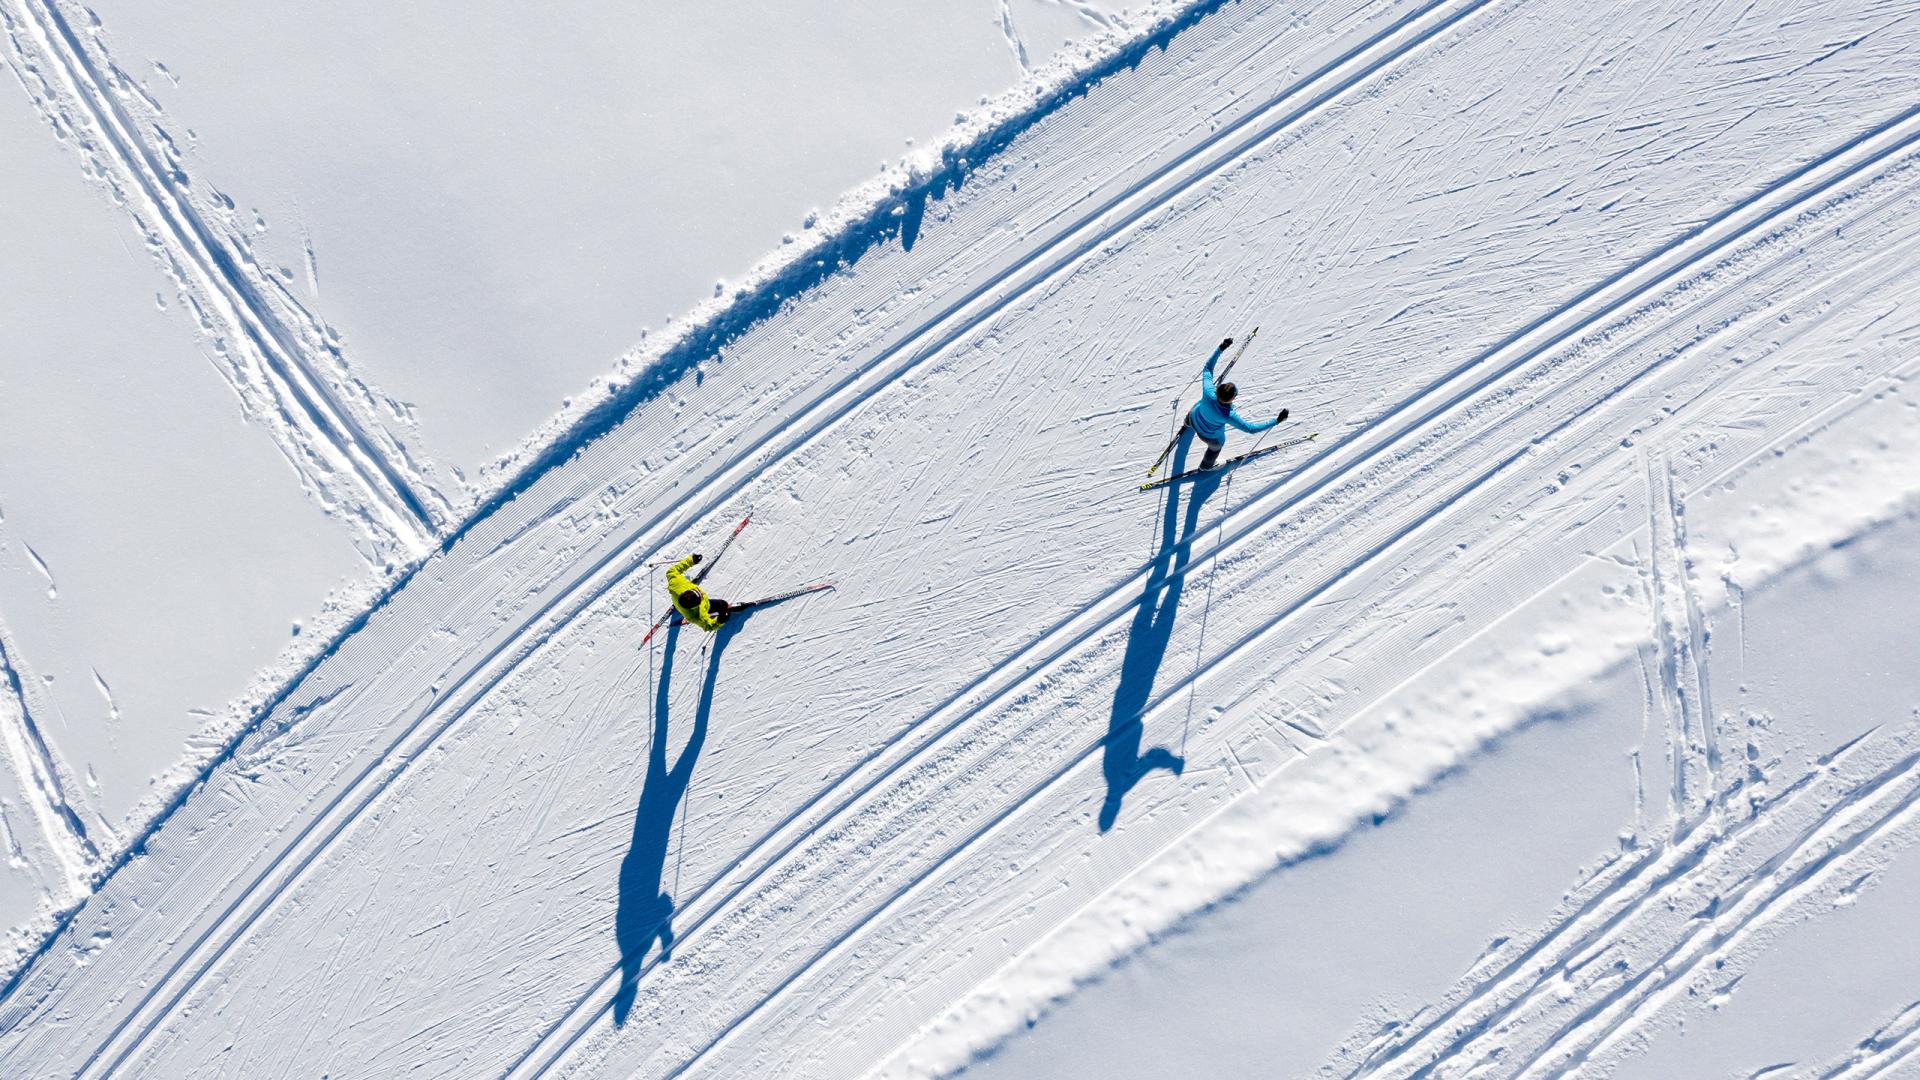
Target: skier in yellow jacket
692, 602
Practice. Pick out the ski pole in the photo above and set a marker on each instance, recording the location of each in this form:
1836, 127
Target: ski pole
1237, 354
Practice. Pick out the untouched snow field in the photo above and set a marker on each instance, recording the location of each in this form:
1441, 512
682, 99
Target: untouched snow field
1550, 710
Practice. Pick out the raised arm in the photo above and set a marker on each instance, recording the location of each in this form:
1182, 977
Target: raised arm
1208, 388
677, 582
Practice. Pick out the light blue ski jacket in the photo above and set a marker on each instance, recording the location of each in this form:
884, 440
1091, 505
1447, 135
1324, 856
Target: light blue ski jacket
1210, 418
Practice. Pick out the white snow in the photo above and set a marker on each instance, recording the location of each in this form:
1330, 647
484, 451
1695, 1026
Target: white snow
153, 551
1493, 730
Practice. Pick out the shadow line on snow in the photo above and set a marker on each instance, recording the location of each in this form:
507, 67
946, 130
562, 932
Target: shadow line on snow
644, 913
645, 910
899, 215
1122, 764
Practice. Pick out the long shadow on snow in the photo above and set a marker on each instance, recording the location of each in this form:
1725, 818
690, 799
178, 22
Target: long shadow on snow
1121, 762
645, 911
899, 215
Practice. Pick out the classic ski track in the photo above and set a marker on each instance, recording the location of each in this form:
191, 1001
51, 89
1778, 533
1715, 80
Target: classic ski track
1270, 627
1314, 590
1083, 236
1661, 873
241, 306
1686, 831
1064, 641
840, 400
1613, 875
1825, 845
1064, 638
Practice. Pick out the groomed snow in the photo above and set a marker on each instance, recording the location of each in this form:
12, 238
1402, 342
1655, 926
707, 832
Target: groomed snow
1600, 319
1362, 935
205, 349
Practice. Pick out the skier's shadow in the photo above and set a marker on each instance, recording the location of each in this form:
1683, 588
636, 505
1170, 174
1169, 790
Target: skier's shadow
645, 911
1147, 640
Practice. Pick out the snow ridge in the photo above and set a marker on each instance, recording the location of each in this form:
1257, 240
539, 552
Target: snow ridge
872, 817
1891, 1045
890, 208
1295, 820
1413, 464
397, 510
865, 219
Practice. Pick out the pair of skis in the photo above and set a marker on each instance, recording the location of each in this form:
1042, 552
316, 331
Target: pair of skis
1175, 441
707, 568
1231, 462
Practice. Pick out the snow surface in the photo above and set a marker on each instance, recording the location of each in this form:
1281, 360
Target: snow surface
153, 553
490, 208
1269, 982
106, 473
1601, 317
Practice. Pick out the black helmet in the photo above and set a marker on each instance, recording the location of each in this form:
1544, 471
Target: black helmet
1227, 391
690, 599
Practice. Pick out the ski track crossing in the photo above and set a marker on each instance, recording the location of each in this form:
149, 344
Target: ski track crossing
1260, 134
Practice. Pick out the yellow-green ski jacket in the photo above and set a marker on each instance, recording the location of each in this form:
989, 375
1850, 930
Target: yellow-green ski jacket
677, 583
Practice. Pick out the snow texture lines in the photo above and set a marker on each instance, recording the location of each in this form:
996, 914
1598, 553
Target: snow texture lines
344, 743
1680, 667
869, 817
1692, 899
44, 786
1043, 263
1881, 1054
279, 359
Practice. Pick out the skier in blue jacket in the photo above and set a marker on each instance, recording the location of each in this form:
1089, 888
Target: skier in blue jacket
1210, 415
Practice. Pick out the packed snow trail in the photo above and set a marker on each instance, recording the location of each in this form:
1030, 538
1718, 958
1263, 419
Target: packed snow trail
917, 728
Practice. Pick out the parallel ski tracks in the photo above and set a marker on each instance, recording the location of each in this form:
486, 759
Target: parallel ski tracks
1894, 1045
1045, 262
1788, 194
1662, 874
1041, 264
1889, 801
403, 510
1899, 135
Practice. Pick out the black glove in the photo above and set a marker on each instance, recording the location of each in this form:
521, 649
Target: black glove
1227, 344
1283, 416
696, 558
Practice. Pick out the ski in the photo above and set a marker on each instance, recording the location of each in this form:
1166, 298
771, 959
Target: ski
705, 568
1234, 359
763, 601
788, 595
1230, 463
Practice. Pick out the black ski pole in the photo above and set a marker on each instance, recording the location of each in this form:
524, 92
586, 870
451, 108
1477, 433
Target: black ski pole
1238, 353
